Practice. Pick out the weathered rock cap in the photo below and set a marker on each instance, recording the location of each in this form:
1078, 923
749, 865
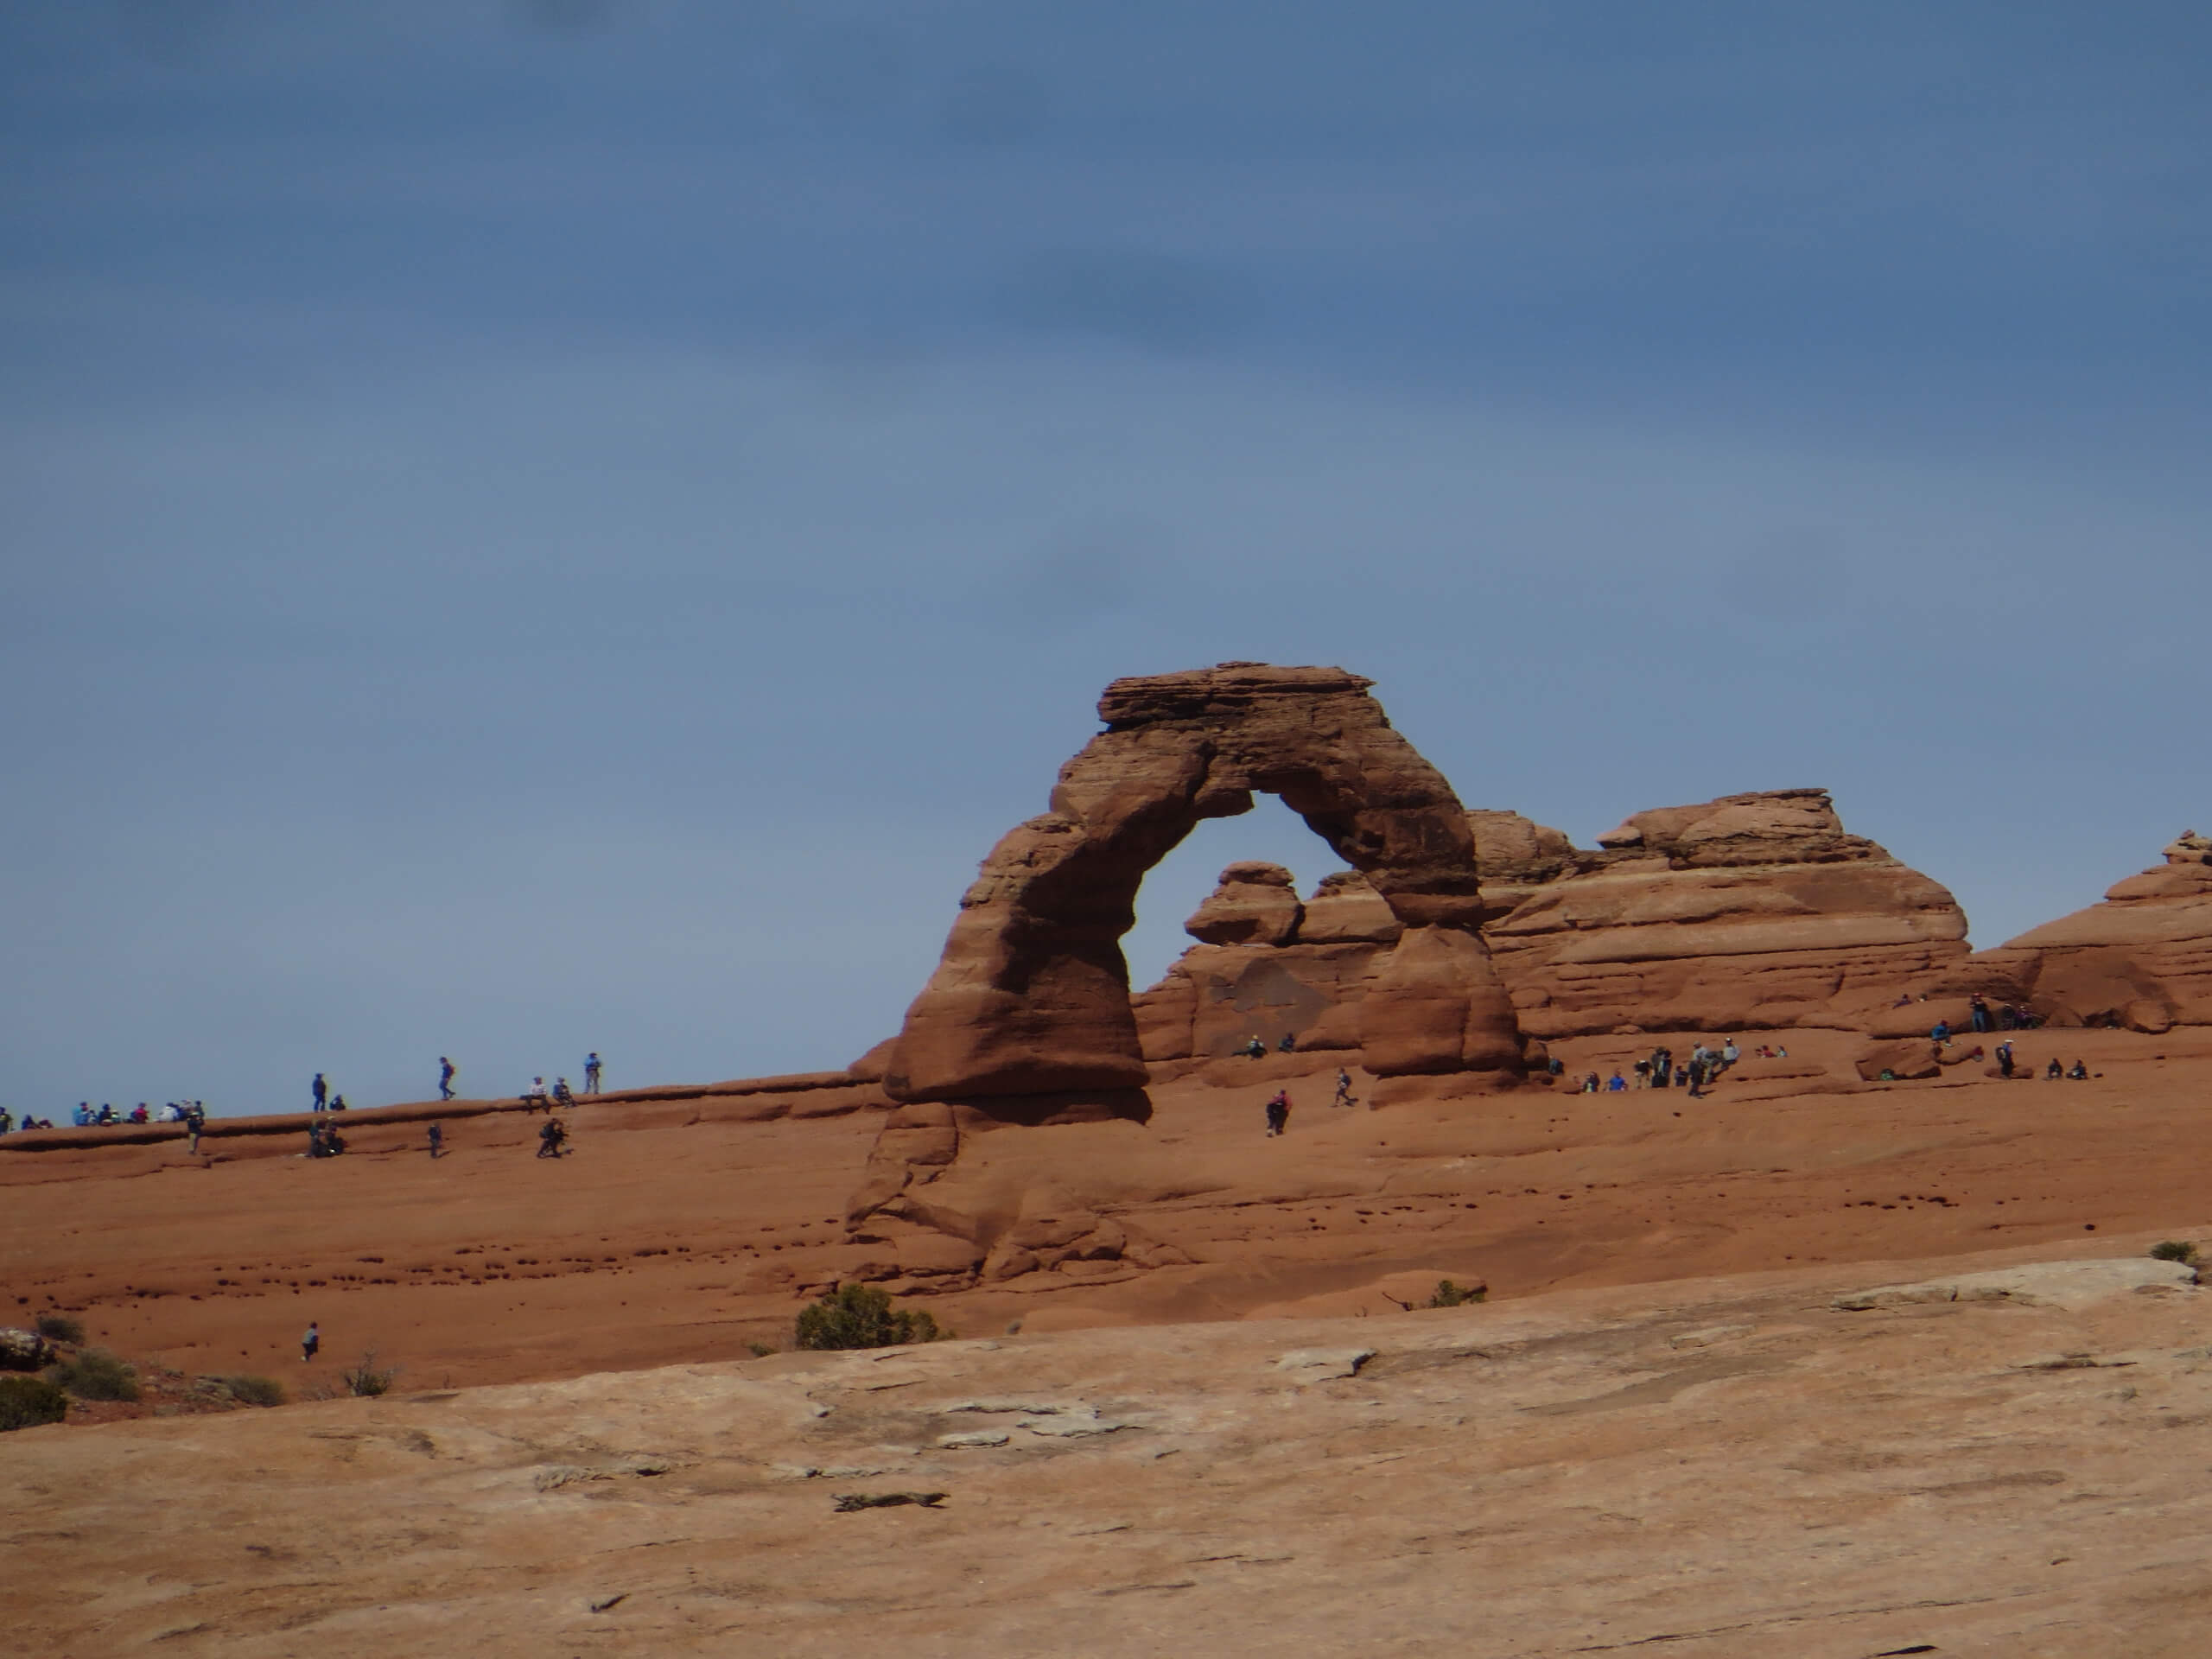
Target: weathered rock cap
1226, 689
1774, 826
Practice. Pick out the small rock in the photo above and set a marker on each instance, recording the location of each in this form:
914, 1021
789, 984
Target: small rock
1320, 1364
974, 1437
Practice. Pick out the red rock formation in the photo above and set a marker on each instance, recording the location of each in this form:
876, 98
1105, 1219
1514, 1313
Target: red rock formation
1256, 904
1032, 994
1748, 912
2143, 958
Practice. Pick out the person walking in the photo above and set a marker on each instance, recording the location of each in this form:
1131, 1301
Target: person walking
1279, 1112
591, 1072
311, 1341
445, 1078
1343, 1089
322, 1092
550, 1138
437, 1140
196, 1125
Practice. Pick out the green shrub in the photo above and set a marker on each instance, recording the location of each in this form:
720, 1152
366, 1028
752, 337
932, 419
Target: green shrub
255, 1391
1450, 1295
59, 1327
2174, 1249
96, 1374
760, 1349
27, 1401
861, 1316
365, 1379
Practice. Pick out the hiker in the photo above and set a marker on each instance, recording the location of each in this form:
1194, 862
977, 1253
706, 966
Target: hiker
1255, 1049
196, 1125
315, 1139
445, 1078
535, 1095
1981, 1012
1279, 1112
2053, 1071
7, 1122
322, 1092
2079, 1074
561, 1095
338, 1103
1942, 1032
550, 1138
138, 1113
1697, 1077
1615, 1084
107, 1114
311, 1341
1643, 1074
2003, 1060
1662, 1067
1730, 1054
437, 1140
1289, 1042
591, 1072
1343, 1088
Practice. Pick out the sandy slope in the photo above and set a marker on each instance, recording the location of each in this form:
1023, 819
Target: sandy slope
675, 1234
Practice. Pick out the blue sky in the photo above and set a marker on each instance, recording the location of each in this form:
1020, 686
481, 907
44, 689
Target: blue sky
532, 528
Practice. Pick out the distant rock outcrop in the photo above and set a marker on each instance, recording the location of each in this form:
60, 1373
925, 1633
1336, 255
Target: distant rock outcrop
1750, 911
2143, 958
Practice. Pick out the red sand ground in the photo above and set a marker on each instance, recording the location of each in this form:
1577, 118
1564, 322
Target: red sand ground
664, 1239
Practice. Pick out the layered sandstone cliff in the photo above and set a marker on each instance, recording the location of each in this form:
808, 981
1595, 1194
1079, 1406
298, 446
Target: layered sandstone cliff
1752, 911
2142, 958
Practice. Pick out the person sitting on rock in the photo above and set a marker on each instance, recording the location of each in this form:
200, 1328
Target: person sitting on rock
561, 1095
1942, 1034
1289, 1042
2054, 1069
138, 1113
535, 1095
2079, 1073
1256, 1049
1279, 1112
1615, 1084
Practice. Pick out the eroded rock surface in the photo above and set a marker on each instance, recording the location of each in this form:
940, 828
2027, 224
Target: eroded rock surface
2142, 958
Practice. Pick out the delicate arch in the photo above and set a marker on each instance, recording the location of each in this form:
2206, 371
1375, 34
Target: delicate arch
1032, 994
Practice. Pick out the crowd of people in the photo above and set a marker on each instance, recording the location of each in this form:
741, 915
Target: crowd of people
324, 1140
1659, 1069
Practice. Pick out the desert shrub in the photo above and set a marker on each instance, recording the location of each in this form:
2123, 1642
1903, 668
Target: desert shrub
27, 1401
861, 1316
365, 1379
760, 1349
96, 1374
1450, 1295
59, 1327
2174, 1249
255, 1391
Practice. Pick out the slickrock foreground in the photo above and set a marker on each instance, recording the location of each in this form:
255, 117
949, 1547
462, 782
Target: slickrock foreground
1706, 1468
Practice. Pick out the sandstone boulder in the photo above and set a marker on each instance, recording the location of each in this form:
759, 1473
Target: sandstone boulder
1254, 904
1345, 910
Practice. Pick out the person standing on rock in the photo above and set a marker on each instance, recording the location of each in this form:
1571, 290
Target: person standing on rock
322, 1092
1980, 1008
445, 1078
1279, 1112
437, 1141
2003, 1060
591, 1072
311, 1341
1730, 1054
196, 1125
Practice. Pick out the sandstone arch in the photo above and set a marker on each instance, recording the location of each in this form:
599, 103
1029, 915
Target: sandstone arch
1032, 995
